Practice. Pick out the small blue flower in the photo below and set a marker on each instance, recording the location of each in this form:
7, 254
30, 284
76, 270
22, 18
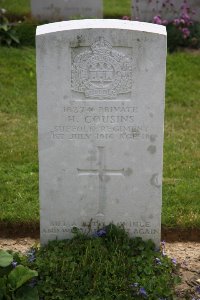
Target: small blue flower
100, 233
142, 292
174, 261
198, 289
163, 243
14, 264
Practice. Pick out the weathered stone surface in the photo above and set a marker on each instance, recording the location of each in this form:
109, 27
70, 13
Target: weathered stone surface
101, 86
57, 10
146, 10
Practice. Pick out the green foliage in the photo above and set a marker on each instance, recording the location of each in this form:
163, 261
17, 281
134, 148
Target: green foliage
20, 7
27, 293
181, 190
17, 83
113, 266
15, 278
5, 258
8, 34
18, 137
195, 36
175, 38
20, 275
26, 32
116, 8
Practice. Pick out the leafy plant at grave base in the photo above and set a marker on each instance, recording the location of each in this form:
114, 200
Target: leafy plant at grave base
26, 32
15, 278
8, 34
109, 265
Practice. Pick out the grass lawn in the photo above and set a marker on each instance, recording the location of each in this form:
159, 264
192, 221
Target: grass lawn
114, 8
18, 136
18, 139
181, 189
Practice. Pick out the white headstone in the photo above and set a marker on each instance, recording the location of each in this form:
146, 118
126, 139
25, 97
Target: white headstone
101, 89
57, 10
146, 10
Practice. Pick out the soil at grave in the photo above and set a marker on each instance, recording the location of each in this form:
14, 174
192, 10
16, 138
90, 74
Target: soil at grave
32, 229
187, 255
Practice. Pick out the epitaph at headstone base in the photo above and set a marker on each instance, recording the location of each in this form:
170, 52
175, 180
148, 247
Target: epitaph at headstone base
100, 111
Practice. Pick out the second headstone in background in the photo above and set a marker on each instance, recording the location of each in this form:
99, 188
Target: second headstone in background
58, 10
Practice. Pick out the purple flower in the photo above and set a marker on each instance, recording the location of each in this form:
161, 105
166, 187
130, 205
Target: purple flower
185, 16
185, 32
198, 289
100, 233
142, 292
176, 22
163, 244
14, 264
174, 261
157, 20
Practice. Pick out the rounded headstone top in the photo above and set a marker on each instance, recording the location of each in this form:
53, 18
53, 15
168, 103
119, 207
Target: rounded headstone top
100, 23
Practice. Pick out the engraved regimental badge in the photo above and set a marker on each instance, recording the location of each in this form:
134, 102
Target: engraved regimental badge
101, 72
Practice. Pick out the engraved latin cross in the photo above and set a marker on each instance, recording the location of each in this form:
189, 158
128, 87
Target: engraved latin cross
101, 172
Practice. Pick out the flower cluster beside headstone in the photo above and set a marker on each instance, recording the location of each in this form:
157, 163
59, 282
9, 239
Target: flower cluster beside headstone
179, 13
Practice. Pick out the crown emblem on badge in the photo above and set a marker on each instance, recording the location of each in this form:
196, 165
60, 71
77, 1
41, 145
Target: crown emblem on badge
101, 46
101, 72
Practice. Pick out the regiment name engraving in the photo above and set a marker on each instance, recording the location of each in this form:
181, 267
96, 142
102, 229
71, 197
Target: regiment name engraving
100, 122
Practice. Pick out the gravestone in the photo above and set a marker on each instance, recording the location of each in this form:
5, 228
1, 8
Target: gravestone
146, 10
57, 10
101, 87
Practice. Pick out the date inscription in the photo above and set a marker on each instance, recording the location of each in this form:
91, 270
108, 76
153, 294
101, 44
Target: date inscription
101, 123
